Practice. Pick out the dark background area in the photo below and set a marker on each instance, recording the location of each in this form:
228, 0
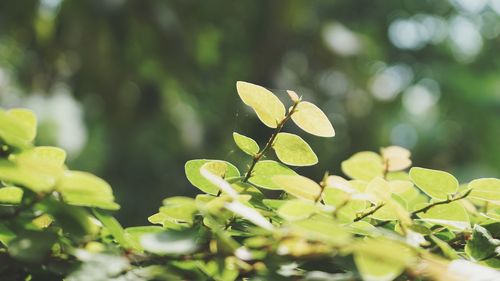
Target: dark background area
133, 89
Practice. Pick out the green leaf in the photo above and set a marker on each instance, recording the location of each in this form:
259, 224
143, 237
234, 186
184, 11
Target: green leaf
266, 105
365, 165
298, 186
18, 127
84, 189
447, 250
452, 215
264, 171
26, 174
246, 144
193, 174
296, 209
487, 189
6, 235
437, 184
32, 246
312, 120
113, 226
322, 229
49, 155
11, 195
381, 259
293, 150
482, 245
177, 210
170, 242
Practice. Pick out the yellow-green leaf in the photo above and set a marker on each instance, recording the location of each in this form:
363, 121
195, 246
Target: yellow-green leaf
365, 165
487, 189
11, 195
397, 158
15, 130
436, 184
296, 209
193, 173
84, 189
27, 118
381, 259
293, 150
452, 215
264, 171
246, 144
266, 105
312, 120
322, 229
298, 186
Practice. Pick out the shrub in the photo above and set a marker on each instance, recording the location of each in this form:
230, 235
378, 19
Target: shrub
263, 222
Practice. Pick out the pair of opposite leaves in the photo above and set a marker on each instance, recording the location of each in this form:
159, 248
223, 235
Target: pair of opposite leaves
290, 149
271, 111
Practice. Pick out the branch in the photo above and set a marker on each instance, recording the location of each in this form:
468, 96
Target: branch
270, 142
428, 207
371, 212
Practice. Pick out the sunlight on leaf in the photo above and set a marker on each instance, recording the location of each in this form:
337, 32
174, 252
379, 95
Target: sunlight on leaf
266, 105
298, 186
312, 120
246, 144
436, 184
293, 150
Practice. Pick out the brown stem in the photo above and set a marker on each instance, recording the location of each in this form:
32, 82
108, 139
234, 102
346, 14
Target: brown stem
371, 212
428, 207
270, 142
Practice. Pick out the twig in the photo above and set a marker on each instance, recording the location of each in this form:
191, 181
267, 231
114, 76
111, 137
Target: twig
371, 212
269, 143
428, 207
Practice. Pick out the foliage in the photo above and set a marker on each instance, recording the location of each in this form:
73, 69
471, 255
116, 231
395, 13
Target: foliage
265, 223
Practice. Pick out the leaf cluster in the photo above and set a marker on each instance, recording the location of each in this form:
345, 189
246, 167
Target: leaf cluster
383, 221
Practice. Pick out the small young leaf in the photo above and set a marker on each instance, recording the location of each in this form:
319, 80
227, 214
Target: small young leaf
298, 186
312, 120
265, 170
193, 174
246, 144
11, 195
436, 184
397, 158
487, 189
293, 150
365, 165
293, 96
266, 105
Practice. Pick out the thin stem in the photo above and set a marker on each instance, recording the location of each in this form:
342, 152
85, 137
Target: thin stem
386, 168
270, 142
428, 207
322, 184
371, 212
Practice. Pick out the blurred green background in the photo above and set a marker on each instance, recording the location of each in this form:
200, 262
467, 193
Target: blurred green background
133, 89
